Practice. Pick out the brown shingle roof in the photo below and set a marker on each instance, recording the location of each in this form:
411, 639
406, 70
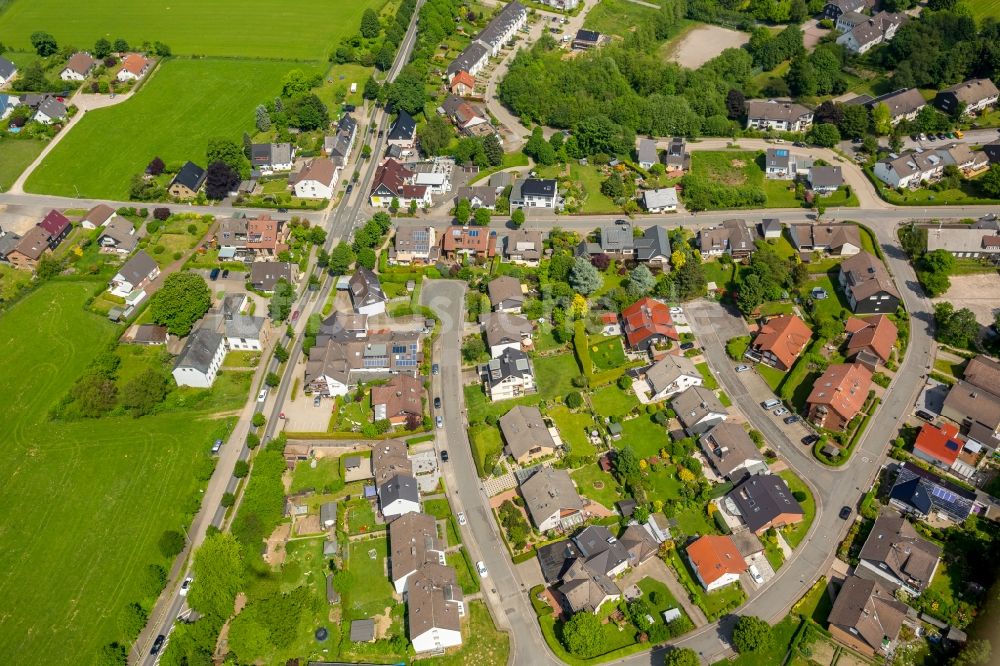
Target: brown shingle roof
785, 337
870, 609
402, 396
843, 387
866, 276
984, 372
523, 430
876, 334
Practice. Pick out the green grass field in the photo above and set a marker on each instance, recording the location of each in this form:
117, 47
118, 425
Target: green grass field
184, 104
985, 9
84, 502
15, 156
617, 17
296, 29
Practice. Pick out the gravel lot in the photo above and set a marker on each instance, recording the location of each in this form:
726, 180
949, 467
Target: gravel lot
704, 43
980, 292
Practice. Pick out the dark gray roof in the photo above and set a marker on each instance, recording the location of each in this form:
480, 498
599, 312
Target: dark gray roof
555, 559
52, 108
365, 288
511, 363
362, 631
500, 24
265, 274
761, 499
923, 492
403, 128
654, 242
538, 187
138, 267
199, 350
588, 36
647, 150
401, 486
905, 554
244, 326
617, 237
601, 551
8, 241
779, 158
901, 102
472, 53
191, 176
7, 68
826, 176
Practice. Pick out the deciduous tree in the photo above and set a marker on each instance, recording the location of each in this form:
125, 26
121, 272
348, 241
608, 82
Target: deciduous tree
182, 300
44, 43
220, 180
582, 634
751, 634
221, 574
370, 26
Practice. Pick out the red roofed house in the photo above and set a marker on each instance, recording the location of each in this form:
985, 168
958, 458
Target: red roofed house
266, 236
58, 227
871, 339
134, 67
715, 561
463, 84
942, 447
647, 322
398, 400
392, 182
474, 241
838, 395
781, 340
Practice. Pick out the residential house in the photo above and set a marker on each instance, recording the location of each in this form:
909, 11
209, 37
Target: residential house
780, 341
58, 227
478, 196
601, 551
839, 395
461, 113
715, 561
526, 434
200, 359
662, 200
243, 332
29, 249
870, 32
8, 71
403, 132
506, 294
734, 237
50, 111
98, 216
903, 104
834, 8
265, 236
970, 162
7, 104
646, 323
763, 502
535, 193
698, 410
391, 184
975, 94
897, 557
462, 84
414, 245
503, 27
976, 410
265, 274
770, 228
413, 543
731, 453
992, 149
676, 158
78, 67
401, 400
564, 5
779, 163
551, 500
653, 248
671, 375
134, 67
134, 275
397, 490
866, 617
523, 247
868, 285
646, 153
639, 542
763, 114
921, 493
616, 240
942, 447
584, 589
509, 375
909, 169
150, 334
871, 340
429, 175
470, 61
841, 240
316, 180
471, 241
8, 243
825, 179
434, 609
984, 372
119, 236
231, 237
584, 40
342, 355
366, 292
270, 157
187, 182
505, 331
338, 147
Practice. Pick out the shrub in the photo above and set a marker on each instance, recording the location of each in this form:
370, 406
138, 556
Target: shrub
258, 420
574, 400
253, 441
799, 495
624, 382
241, 469
160, 214
228, 499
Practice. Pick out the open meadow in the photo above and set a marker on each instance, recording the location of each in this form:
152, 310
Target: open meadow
295, 29
15, 156
84, 502
184, 104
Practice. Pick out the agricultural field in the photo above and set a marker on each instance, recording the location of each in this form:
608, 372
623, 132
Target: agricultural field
91, 497
296, 29
181, 107
15, 156
982, 9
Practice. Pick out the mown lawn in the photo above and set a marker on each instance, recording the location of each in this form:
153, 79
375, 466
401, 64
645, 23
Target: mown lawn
325, 477
371, 591
796, 533
781, 194
644, 436
613, 401
482, 642
183, 105
486, 442
296, 29
607, 353
775, 653
91, 497
598, 485
15, 156
573, 430
708, 379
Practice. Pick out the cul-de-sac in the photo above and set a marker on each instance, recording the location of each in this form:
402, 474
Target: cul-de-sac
500, 333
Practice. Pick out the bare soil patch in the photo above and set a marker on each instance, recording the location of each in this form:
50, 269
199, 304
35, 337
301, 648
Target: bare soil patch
980, 292
700, 45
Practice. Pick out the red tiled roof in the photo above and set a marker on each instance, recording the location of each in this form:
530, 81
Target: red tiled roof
463, 77
785, 337
134, 63
393, 175
939, 443
54, 223
646, 318
844, 388
475, 239
876, 333
715, 556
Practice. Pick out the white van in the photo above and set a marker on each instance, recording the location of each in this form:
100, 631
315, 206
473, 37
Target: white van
768, 404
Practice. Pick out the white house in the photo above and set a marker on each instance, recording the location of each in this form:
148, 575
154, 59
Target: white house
535, 193
772, 114
134, 67
646, 153
316, 180
135, 274
50, 111
670, 375
8, 71
909, 168
509, 375
78, 67
862, 33
413, 542
366, 292
435, 607
663, 200
399, 496
7, 104
436, 183
200, 360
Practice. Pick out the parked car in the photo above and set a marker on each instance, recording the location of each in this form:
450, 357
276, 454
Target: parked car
282, 210
158, 644
435, 369
225, 273
780, 411
350, 187
770, 403
214, 275
444, 455
440, 422
687, 345
794, 418
186, 586
461, 518
810, 439
481, 568
262, 396
437, 403
676, 310
295, 316
959, 134
845, 512
216, 447
926, 416
742, 368
755, 574
923, 137
316, 401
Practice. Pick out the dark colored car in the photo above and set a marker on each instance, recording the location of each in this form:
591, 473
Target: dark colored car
295, 315
282, 210
687, 345
845, 512
437, 403
444, 455
794, 418
225, 273
435, 369
158, 644
214, 275
350, 187
926, 416
349, 108
810, 439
